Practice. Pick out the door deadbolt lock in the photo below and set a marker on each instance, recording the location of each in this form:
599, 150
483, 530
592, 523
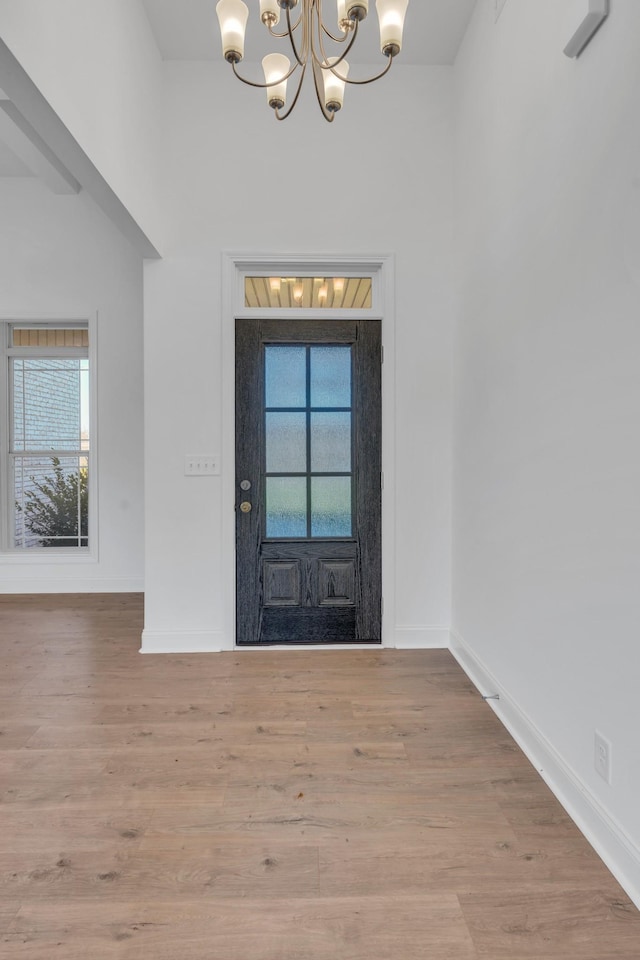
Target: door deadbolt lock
245, 506
245, 484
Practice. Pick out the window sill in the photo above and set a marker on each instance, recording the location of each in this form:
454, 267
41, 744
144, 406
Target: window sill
48, 555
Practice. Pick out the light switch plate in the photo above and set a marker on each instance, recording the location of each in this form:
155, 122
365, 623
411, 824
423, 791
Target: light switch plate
201, 465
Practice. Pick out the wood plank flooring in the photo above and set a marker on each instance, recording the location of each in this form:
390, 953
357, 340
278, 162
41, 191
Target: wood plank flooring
273, 805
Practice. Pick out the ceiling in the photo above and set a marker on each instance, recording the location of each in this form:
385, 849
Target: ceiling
188, 30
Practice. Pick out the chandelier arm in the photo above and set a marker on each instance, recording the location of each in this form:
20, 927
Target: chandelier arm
284, 116
281, 36
370, 79
289, 34
327, 114
331, 36
354, 23
323, 60
263, 86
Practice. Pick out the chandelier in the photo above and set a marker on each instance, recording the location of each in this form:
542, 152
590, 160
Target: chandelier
309, 35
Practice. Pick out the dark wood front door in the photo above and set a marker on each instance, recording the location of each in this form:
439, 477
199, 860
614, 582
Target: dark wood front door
308, 499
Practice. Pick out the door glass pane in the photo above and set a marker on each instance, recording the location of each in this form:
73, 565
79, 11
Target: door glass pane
330, 442
286, 435
286, 507
331, 506
330, 376
285, 374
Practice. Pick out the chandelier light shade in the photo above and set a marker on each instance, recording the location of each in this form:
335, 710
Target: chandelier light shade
314, 41
391, 15
334, 84
233, 16
276, 67
358, 10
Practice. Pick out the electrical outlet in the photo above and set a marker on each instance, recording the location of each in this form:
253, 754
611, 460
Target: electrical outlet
602, 756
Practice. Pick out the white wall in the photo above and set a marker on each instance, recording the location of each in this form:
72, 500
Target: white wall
546, 605
237, 180
60, 256
98, 66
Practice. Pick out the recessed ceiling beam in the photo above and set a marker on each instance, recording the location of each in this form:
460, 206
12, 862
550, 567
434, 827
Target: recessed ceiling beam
29, 147
35, 111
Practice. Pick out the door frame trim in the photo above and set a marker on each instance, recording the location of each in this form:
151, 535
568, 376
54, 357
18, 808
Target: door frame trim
381, 268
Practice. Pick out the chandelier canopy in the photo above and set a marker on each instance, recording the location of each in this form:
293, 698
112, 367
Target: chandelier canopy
309, 36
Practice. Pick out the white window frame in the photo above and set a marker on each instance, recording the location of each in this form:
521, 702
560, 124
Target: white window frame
37, 555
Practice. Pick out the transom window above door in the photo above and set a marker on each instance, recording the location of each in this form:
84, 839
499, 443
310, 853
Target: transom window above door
309, 293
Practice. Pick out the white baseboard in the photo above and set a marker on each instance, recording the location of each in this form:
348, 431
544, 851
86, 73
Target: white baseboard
183, 641
604, 833
421, 638
72, 585
208, 641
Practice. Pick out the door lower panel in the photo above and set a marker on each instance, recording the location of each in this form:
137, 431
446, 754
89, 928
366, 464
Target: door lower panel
337, 625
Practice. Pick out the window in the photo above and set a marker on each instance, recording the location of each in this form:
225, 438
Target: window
308, 417
310, 293
45, 448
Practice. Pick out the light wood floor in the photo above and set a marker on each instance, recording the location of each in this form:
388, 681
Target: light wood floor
269, 805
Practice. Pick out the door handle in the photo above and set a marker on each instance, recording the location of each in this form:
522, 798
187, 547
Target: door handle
245, 506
